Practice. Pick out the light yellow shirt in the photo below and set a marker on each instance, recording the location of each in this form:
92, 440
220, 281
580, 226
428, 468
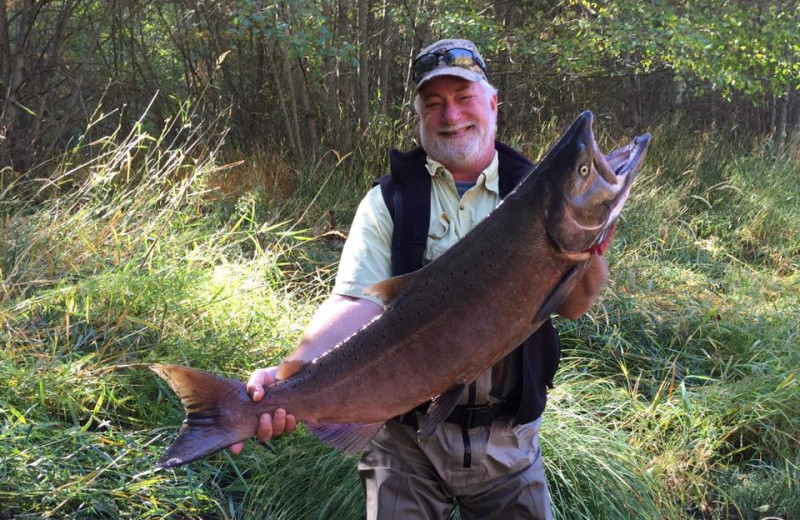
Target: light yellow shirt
366, 258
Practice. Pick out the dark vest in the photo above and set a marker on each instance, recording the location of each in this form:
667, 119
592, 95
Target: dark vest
406, 192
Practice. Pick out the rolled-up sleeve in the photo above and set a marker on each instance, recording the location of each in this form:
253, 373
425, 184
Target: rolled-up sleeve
366, 257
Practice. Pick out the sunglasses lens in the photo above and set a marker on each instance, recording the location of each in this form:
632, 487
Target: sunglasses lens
459, 58
425, 64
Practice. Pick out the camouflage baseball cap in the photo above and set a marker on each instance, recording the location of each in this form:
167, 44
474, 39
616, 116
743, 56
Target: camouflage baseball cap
449, 58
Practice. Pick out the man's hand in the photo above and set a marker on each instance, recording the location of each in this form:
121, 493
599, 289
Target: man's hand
336, 319
268, 425
586, 290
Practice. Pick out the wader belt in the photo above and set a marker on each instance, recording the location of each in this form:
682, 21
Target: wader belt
467, 416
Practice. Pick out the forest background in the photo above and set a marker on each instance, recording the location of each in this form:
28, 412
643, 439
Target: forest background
176, 178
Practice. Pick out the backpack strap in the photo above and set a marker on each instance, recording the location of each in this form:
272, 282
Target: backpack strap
407, 194
512, 169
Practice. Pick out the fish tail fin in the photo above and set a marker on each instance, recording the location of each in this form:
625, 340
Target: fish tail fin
213, 407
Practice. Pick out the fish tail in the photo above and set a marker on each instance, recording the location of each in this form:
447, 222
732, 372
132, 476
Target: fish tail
214, 418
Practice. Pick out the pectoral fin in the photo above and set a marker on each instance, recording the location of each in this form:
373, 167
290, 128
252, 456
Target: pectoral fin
389, 290
289, 368
440, 408
347, 438
559, 293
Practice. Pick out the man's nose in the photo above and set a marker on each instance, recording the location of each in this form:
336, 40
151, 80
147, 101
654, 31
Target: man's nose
451, 113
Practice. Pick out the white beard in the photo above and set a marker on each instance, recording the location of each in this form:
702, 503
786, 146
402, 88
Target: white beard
458, 152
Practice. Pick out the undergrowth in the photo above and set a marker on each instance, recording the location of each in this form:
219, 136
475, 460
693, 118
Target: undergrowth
677, 396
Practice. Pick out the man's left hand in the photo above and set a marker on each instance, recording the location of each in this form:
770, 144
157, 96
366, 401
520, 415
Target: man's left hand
586, 290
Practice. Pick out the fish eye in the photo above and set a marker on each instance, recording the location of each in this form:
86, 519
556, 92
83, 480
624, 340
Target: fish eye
584, 170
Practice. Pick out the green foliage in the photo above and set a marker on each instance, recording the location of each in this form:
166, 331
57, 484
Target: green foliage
729, 47
300, 77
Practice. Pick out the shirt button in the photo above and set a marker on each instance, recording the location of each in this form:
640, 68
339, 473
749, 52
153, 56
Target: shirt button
461, 207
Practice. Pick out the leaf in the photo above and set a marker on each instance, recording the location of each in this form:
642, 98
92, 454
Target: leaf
222, 57
26, 109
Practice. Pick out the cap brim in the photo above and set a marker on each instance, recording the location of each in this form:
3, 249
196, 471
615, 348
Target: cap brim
460, 72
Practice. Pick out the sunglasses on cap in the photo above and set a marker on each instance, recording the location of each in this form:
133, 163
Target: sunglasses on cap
463, 58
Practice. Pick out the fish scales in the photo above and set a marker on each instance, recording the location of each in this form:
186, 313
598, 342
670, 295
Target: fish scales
429, 352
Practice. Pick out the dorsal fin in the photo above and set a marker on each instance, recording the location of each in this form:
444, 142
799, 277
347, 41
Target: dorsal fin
289, 368
389, 290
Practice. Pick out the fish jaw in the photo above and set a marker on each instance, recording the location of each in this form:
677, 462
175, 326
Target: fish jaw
588, 189
219, 412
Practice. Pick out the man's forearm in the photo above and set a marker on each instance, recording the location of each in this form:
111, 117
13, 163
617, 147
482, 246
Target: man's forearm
334, 321
586, 290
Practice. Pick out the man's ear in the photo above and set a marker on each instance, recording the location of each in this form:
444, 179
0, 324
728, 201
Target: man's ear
493, 103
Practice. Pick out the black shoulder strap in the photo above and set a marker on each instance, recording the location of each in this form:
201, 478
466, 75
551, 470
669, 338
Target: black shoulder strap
407, 194
512, 169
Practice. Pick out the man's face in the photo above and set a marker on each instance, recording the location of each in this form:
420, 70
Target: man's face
457, 122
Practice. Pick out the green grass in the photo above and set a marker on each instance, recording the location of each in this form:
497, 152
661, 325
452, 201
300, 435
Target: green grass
678, 395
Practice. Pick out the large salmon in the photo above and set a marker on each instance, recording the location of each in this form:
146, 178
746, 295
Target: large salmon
444, 324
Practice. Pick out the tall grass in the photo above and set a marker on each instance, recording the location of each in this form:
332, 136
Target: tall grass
677, 397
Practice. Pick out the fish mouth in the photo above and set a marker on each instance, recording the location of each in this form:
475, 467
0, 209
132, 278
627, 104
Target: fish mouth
619, 168
627, 159
592, 188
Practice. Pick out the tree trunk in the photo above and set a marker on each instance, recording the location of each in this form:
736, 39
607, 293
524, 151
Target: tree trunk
343, 78
794, 125
12, 118
504, 110
288, 74
363, 64
330, 73
309, 113
5, 51
49, 54
773, 114
419, 22
276, 74
385, 57
780, 130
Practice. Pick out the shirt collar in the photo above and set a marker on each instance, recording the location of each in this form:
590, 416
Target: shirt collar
489, 176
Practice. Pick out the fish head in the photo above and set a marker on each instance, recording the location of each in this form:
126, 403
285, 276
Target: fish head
587, 189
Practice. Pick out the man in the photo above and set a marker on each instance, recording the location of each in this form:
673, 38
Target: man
485, 457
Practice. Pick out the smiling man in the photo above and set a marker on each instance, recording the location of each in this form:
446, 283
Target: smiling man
485, 458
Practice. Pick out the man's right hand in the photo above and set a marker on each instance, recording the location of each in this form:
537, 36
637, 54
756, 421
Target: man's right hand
336, 319
268, 425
